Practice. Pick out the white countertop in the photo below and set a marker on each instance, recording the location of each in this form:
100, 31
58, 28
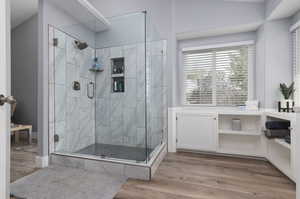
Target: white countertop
234, 111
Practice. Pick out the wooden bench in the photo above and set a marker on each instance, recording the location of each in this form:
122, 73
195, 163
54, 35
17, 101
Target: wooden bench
16, 130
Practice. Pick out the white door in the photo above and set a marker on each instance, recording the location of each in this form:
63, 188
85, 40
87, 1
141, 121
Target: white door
4, 90
196, 132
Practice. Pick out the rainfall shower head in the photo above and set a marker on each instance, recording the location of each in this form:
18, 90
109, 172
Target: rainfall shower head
81, 45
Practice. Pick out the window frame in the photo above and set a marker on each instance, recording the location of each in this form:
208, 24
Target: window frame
251, 69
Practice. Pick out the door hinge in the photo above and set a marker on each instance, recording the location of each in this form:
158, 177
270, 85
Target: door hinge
176, 118
176, 140
56, 138
55, 42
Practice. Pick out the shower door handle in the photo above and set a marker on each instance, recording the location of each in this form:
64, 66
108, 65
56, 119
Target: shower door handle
89, 95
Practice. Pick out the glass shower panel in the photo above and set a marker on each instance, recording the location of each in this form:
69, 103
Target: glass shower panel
72, 88
156, 89
120, 89
118, 111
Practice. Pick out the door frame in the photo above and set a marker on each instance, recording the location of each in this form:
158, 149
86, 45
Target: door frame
5, 86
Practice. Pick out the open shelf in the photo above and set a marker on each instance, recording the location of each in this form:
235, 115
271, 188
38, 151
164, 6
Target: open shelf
283, 143
96, 69
246, 132
118, 75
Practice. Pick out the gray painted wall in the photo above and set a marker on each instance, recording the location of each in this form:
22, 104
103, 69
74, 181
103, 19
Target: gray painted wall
274, 60
278, 59
296, 17
270, 5
260, 65
124, 30
24, 50
203, 15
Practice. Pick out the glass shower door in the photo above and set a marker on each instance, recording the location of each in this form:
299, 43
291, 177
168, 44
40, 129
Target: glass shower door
120, 89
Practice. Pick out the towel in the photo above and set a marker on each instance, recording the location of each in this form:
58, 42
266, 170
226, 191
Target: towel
278, 124
277, 133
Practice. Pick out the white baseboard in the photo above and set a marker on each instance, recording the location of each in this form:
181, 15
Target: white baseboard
42, 161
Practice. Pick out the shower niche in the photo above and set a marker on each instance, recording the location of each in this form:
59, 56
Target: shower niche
118, 75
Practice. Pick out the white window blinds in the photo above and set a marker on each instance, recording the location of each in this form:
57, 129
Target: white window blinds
217, 76
296, 64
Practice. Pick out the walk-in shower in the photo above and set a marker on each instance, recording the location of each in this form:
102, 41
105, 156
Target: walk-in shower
107, 91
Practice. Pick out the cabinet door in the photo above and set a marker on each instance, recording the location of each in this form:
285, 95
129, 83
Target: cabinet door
196, 132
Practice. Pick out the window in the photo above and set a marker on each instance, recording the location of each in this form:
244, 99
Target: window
296, 64
217, 76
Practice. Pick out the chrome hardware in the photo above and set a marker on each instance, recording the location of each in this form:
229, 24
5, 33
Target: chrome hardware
89, 95
8, 100
56, 138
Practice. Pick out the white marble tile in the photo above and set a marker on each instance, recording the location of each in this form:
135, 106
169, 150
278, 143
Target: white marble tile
86, 63
86, 134
116, 52
156, 71
103, 53
141, 137
109, 168
60, 130
141, 71
60, 103
141, 114
103, 87
103, 135
130, 55
116, 108
117, 131
130, 128
130, 92
156, 101
103, 112
73, 123
137, 172
61, 36
60, 66
72, 75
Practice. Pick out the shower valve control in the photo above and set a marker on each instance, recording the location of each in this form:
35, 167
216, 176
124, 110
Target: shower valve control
76, 86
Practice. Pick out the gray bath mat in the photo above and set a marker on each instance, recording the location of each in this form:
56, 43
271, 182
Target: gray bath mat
66, 183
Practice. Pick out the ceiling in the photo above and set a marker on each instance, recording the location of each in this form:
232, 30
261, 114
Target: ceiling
247, 1
285, 8
21, 10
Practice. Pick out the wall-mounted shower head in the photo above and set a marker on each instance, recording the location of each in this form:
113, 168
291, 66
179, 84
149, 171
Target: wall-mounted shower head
81, 45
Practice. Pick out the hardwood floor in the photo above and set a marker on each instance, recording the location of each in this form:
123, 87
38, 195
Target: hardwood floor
22, 160
196, 176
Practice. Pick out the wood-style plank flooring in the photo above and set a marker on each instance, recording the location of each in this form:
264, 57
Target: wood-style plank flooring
22, 160
196, 176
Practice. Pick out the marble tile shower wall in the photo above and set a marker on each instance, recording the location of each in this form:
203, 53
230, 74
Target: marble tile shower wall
73, 113
120, 117
157, 94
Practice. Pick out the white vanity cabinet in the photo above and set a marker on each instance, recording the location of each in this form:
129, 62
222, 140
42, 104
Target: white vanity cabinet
211, 131
196, 131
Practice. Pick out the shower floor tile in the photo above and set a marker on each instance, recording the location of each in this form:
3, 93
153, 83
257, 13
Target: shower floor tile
116, 151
